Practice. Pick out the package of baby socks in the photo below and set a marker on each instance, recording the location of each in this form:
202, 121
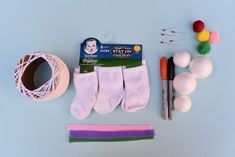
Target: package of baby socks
137, 90
86, 85
110, 93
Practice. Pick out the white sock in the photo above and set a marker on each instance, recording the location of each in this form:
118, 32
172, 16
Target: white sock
86, 85
111, 90
137, 90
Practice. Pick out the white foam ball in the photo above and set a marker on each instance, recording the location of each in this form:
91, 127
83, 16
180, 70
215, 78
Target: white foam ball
182, 103
181, 59
184, 83
201, 67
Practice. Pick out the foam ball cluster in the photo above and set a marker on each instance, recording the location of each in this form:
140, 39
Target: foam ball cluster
198, 26
214, 37
181, 59
203, 36
204, 48
201, 67
182, 103
184, 83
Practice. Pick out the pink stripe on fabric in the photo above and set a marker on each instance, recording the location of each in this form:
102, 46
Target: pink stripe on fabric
108, 127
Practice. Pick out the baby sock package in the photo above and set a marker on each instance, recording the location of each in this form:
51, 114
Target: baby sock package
108, 77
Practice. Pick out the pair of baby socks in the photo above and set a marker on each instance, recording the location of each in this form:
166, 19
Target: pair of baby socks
107, 87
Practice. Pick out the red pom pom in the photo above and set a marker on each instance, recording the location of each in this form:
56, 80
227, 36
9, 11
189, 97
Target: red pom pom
198, 26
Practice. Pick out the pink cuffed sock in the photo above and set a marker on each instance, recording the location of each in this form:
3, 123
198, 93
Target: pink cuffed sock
110, 92
86, 86
137, 90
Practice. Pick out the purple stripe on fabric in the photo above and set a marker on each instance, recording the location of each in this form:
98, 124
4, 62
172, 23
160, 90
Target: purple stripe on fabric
110, 134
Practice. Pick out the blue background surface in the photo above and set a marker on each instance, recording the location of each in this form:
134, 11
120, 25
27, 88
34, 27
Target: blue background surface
38, 129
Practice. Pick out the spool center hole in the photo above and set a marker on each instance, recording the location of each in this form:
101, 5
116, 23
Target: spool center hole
42, 74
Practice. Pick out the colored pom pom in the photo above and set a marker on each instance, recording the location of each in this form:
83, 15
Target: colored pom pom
214, 37
203, 36
198, 26
182, 103
201, 67
204, 48
181, 59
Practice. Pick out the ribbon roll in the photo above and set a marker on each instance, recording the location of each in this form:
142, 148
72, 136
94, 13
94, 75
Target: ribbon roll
25, 74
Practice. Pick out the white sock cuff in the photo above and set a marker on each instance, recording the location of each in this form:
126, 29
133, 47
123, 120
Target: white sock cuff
129, 71
78, 75
108, 69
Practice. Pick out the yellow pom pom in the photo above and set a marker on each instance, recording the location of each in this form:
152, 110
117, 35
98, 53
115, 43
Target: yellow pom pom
203, 36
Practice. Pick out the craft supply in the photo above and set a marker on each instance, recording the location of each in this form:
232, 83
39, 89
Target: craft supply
171, 75
172, 30
164, 34
214, 37
137, 90
163, 42
111, 92
110, 134
201, 67
25, 75
164, 78
71, 140
203, 36
204, 48
198, 26
181, 59
184, 83
100, 84
170, 36
175, 32
108, 127
182, 103
172, 41
86, 86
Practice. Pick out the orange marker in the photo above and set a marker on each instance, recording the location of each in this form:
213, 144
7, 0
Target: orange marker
164, 78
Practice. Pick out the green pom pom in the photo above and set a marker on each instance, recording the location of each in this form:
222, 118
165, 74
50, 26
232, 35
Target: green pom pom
204, 48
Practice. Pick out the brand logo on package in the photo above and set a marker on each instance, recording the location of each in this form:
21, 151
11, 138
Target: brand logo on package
121, 51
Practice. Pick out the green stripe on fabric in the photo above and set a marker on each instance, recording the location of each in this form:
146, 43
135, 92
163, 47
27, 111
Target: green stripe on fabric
110, 140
